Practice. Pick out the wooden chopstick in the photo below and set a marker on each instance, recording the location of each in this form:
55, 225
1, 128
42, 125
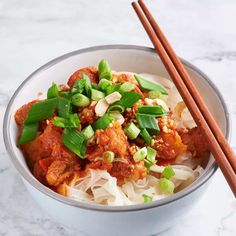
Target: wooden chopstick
215, 148
191, 87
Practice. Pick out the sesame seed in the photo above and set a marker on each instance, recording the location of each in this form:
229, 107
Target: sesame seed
165, 129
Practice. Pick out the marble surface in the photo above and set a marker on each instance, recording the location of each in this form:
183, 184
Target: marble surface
34, 32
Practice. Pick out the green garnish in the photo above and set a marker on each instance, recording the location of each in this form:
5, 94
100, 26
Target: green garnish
147, 198
166, 186
146, 136
60, 122
151, 158
94, 86
87, 85
155, 94
38, 112
168, 172
108, 157
88, 132
74, 141
128, 99
152, 110
53, 91
148, 85
41, 111
132, 131
80, 100
148, 122
97, 95
64, 107
104, 70
103, 122
103, 84
126, 87
28, 133
140, 154
116, 108
112, 88
79, 85
72, 121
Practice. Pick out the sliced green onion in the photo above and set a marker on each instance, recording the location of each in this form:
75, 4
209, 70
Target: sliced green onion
126, 87
104, 70
87, 86
60, 122
116, 108
113, 97
28, 133
166, 186
80, 100
152, 110
128, 99
63, 107
74, 120
103, 122
103, 84
71, 122
148, 85
168, 172
94, 86
147, 198
88, 132
151, 155
140, 154
79, 86
66, 94
151, 158
132, 131
112, 88
41, 111
148, 122
146, 136
97, 95
155, 94
74, 141
108, 157
53, 91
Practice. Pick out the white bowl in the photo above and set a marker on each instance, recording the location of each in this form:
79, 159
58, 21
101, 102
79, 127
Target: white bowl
143, 219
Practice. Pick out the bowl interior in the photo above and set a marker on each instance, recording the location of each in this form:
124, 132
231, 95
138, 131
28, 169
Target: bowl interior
121, 58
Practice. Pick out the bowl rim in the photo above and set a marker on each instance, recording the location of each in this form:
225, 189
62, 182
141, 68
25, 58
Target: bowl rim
64, 200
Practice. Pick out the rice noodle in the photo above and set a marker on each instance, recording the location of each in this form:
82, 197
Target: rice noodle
181, 112
99, 187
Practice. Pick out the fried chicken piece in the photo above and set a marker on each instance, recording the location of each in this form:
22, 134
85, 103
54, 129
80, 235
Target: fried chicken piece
112, 139
47, 144
91, 72
50, 160
168, 143
130, 171
195, 141
61, 170
87, 115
